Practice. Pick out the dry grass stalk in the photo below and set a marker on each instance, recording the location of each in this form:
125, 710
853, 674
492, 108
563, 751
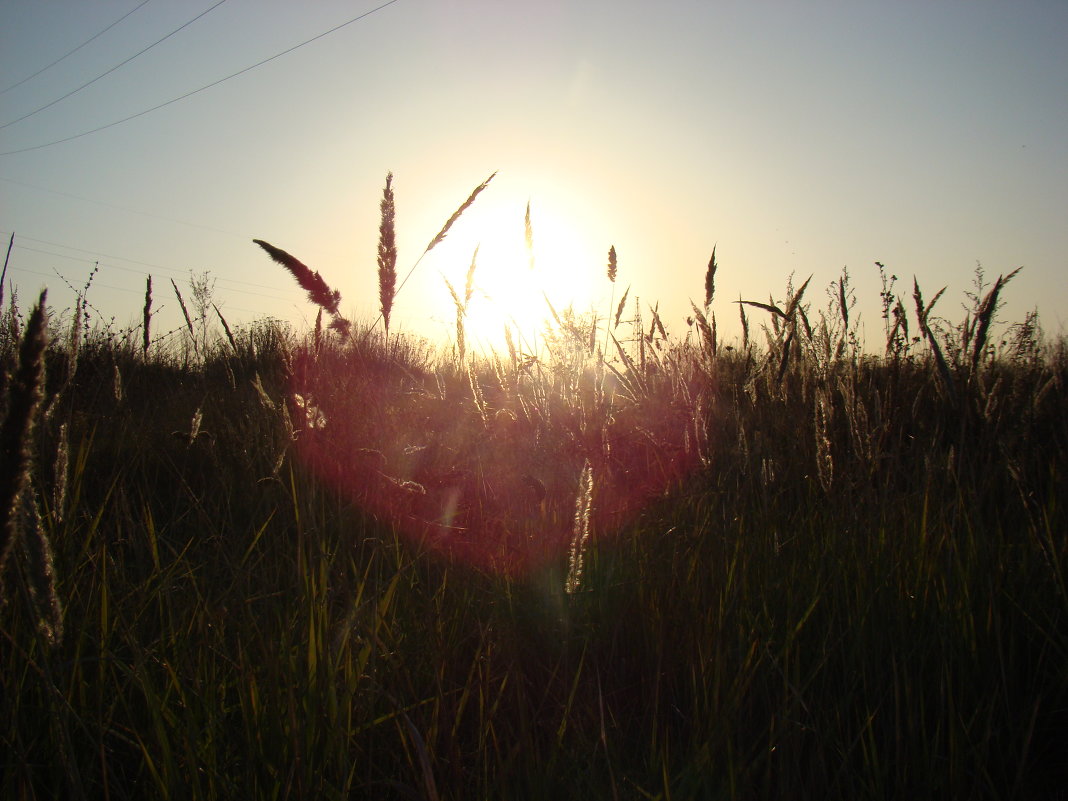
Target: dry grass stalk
710, 280
24, 399
469, 283
583, 505
922, 314
745, 325
185, 314
456, 215
985, 315
824, 461
708, 335
476, 393
460, 312
311, 282
612, 264
513, 356
620, 307
528, 232
387, 252
146, 319
42, 574
226, 328
3, 273
60, 474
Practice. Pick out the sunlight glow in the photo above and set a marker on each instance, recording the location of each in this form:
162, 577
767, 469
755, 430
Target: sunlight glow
511, 282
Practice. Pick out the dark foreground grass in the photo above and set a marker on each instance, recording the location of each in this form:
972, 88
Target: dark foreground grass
854, 589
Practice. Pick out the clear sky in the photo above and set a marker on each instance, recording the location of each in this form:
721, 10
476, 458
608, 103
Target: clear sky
799, 138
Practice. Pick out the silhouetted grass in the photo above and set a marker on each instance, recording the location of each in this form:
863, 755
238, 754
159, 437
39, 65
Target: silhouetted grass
299, 566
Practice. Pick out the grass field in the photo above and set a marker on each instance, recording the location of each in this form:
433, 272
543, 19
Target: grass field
263, 563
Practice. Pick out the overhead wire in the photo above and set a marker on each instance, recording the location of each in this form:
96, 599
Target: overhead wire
125, 289
73, 92
202, 88
140, 212
177, 271
70, 53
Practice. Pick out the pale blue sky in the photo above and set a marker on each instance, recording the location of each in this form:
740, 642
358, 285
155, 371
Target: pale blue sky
798, 137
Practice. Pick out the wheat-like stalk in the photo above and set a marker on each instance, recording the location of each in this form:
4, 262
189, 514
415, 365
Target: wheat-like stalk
710, 279
745, 324
387, 252
311, 282
622, 305
42, 573
147, 319
226, 328
469, 284
922, 314
581, 534
185, 314
440, 236
528, 232
985, 315
460, 311
3, 273
16, 433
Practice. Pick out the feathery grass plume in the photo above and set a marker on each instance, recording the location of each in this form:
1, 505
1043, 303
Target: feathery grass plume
3, 274
460, 311
387, 252
622, 305
437, 240
185, 314
317, 334
710, 279
510, 342
24, 399
985, 315
147, 319
60, 474
476, 393
657, 325
707, 336
116, 382
745, 324
922, 314
528, 235
469, 284
824, 460
311, 282
641, 339
795, 299
443, 232
226, 328
613, 268
42, 574
583, 504
843, 303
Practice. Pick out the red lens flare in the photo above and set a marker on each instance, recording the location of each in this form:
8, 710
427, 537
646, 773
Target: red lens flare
483, 466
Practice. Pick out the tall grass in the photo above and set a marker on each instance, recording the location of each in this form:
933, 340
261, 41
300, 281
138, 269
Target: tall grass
316, 566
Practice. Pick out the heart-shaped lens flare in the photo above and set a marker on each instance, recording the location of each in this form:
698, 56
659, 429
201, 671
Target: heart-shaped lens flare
484, 466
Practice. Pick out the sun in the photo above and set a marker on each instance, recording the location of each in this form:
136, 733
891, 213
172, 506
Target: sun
515, 279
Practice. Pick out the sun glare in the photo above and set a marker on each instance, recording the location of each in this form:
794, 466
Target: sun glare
513, 284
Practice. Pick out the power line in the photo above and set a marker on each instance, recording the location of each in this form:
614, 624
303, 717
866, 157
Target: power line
123, 208
176, 270
284, 288
202, 88
120, 64
125, 289
70, 53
